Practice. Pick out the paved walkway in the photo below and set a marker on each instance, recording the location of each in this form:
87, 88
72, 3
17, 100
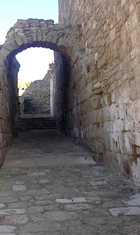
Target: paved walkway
78, 198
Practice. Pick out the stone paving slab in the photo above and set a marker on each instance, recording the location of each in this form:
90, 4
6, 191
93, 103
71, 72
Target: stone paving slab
66, 200
48, 162
62, 200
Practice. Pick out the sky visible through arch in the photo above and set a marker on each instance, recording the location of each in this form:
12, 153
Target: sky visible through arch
34, 61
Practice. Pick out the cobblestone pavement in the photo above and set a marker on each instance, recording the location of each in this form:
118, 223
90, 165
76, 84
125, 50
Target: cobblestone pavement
70, 200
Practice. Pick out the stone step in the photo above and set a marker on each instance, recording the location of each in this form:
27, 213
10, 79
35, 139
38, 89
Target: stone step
37, 123
48, 162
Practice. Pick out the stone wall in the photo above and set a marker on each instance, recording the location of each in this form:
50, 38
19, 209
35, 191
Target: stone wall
9, 106
104, 94
60, 90
52, 72
36, 97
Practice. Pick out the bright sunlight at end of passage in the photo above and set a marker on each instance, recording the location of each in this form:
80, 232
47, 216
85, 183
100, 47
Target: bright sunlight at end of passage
34, 63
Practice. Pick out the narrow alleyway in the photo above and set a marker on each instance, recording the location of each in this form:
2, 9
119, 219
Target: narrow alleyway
52, 186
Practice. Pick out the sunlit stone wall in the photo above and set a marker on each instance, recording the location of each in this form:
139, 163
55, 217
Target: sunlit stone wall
104, 114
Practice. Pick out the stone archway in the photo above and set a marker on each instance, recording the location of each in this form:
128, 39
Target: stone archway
35, 33
25, 34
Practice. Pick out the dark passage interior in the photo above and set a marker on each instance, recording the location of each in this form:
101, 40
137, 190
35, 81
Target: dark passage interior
58, 115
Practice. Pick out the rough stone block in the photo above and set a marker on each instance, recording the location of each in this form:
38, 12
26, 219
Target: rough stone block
82, 230
39, 36
123, 2
118, 125
133, 90
106, 99
54, 39
40, 227
121, 111
95, 131
125, 211
34, 36
102, 62
128, 140
79, 199
114, 112
49, 38
78, 206
134, 200
76, 132
109, 127
124, 31
9, 47
122, 93
12, 211
64, 200
133, 21
7, 229
112, 34
96, 183
54, 216
94, 102
25, 40
106, 114
136, 172
17, 188
134, 38
137, 85
98, 146
19, 41
5, 52
137, 136
3, 113
16, 219
134, 112
82, 83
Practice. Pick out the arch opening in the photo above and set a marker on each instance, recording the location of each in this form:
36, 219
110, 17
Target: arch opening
34, 78
59, 73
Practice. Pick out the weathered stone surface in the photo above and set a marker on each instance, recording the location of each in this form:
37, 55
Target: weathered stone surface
41, 227
97, 183
113, 69
15, 219
102, 220
7, 229
78, 206
2, 205
125, 211
19, 205
12, 211
19, 188
35, 97
88, 199
55, 216
132, 229
64, 200
106, 229
79, 199
134, 200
